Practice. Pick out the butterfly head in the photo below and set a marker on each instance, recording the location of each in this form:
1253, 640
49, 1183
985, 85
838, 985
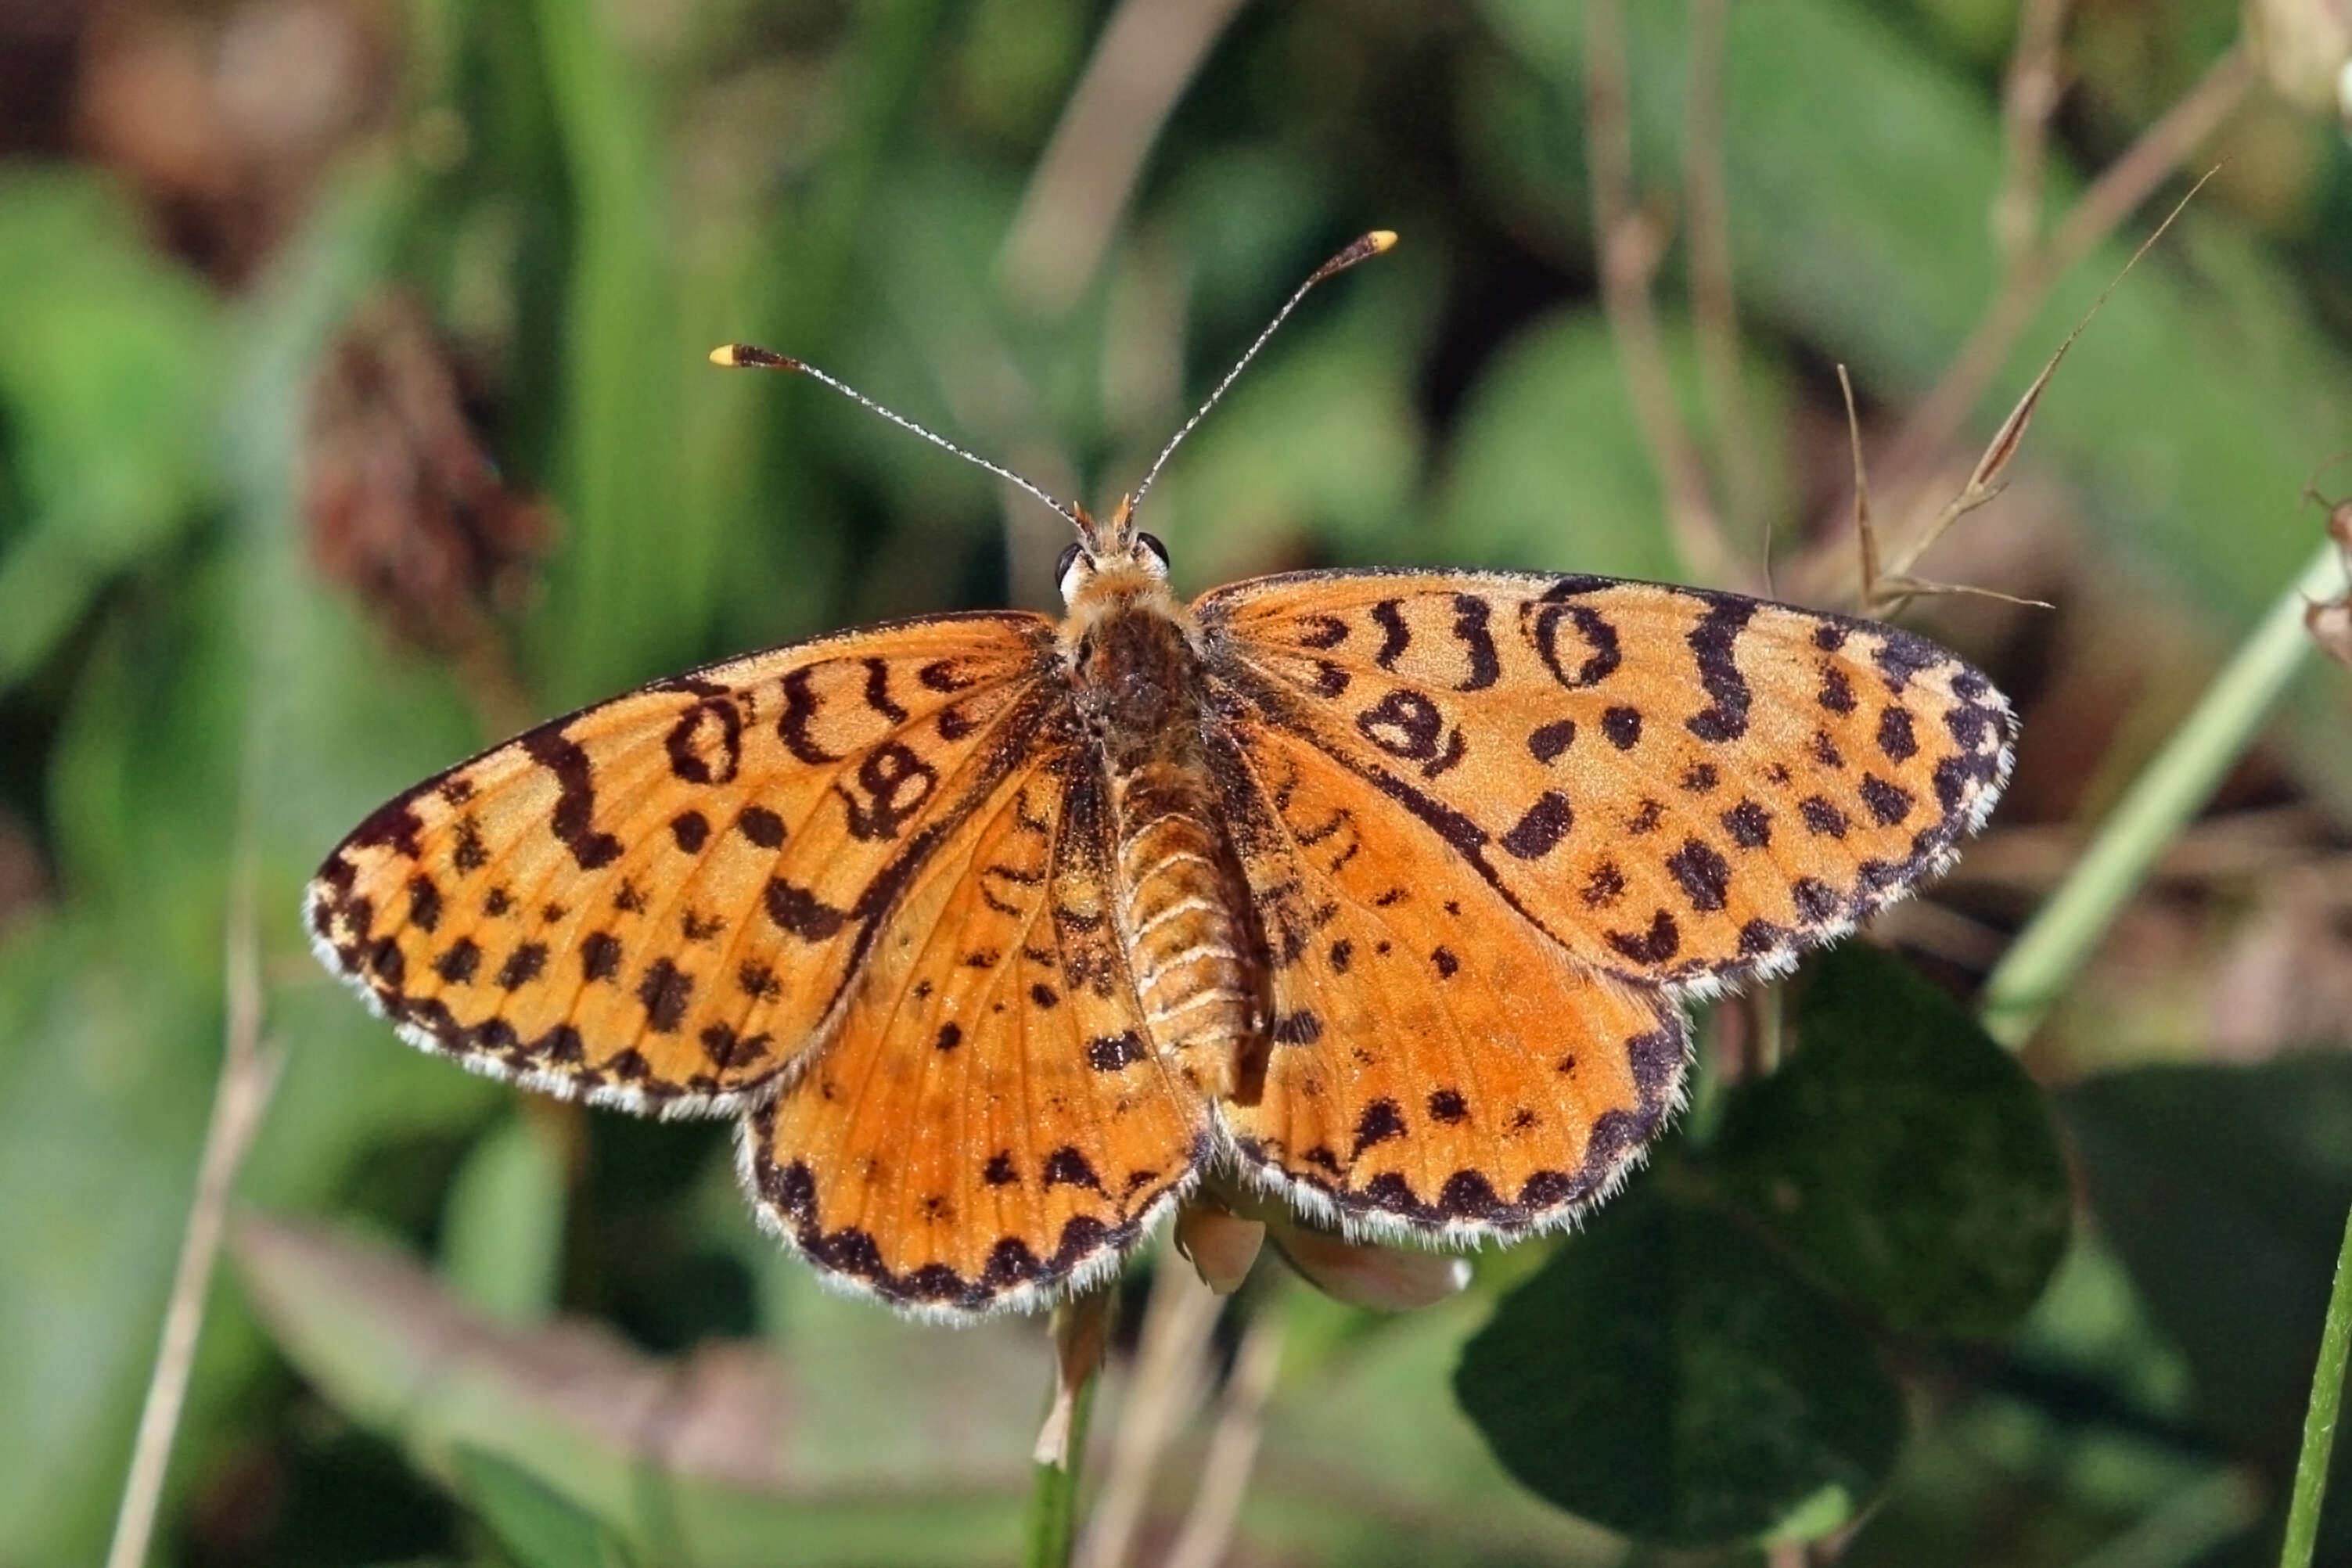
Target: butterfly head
1111, 561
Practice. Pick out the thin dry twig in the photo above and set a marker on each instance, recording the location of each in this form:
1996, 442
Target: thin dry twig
1865, 532
1715, 311
2028, 97
1147, 55
2118, 191
1630, 243
1208, 1533
249, 1072
1898, 586
1177, 1320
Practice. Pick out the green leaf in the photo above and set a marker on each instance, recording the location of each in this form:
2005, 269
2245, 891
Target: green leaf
1667, 1376
502, 1234
1907, 1157
1550, 466
2224, 1189
838, 1443
109, 378
539, 1525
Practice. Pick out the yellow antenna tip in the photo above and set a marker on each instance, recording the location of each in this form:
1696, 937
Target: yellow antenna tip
1380, 240
743, 356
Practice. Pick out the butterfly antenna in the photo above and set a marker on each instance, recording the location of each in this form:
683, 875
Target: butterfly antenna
1363, 250
743, 356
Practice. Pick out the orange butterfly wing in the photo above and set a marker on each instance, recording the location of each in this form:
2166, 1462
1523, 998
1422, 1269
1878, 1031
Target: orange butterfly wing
989, 1128
1679, 787
660, 902
1435, 1063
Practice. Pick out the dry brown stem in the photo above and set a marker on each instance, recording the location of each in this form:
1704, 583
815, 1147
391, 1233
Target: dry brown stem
1208, 1531
248, 1072
1715, 311
1630, 243
2118, 191
1147, 55
2028, 97
1160, 1392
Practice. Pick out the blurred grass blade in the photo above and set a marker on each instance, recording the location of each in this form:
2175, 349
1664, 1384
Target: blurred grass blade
502, 1230
538, 1525
710, 1459
109, 384
2174, 787
2319, 1425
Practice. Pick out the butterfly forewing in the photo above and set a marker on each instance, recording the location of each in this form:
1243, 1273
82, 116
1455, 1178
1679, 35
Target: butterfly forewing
1680, 787
659, 900
1434, 1064
991, 1126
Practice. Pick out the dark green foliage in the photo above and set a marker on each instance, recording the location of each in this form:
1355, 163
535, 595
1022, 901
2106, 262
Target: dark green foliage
538, 1526
2225, 1191
1669, 1377
1677, 1372
1902, 1155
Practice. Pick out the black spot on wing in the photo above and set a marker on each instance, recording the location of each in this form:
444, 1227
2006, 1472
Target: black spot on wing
1896, 740
522, 966
457, 966
665, 991
1395, 635
800, 912
1381, 1120
1300, 1027
1067, 1167
1549, 741
572, 820
600, 955
1538, 832
1115, 1053
1836, 694
1471, 614
1657, 945
1750, 825
1713, 640
1889, 804
1703, 874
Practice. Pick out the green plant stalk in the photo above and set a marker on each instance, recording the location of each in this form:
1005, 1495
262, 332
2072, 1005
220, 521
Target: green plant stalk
2175, 785
2319, 1421
1053, 1491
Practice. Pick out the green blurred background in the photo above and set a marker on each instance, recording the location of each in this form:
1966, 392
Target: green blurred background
354, 412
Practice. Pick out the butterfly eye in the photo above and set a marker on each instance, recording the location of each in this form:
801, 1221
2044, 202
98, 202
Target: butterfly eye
1069, 559
1151, 541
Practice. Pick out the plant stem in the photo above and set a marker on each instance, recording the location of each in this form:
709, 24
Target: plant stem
2319, 1421
248, 1072
2175, 785
1053, 1491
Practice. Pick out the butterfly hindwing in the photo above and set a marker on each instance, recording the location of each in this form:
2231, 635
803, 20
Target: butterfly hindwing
1681, 787
989, 1129
1433, 1065
659, 900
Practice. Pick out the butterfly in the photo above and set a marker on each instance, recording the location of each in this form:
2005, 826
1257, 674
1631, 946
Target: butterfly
1379, 894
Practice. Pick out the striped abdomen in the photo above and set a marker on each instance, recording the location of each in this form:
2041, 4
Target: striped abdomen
1187, 942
